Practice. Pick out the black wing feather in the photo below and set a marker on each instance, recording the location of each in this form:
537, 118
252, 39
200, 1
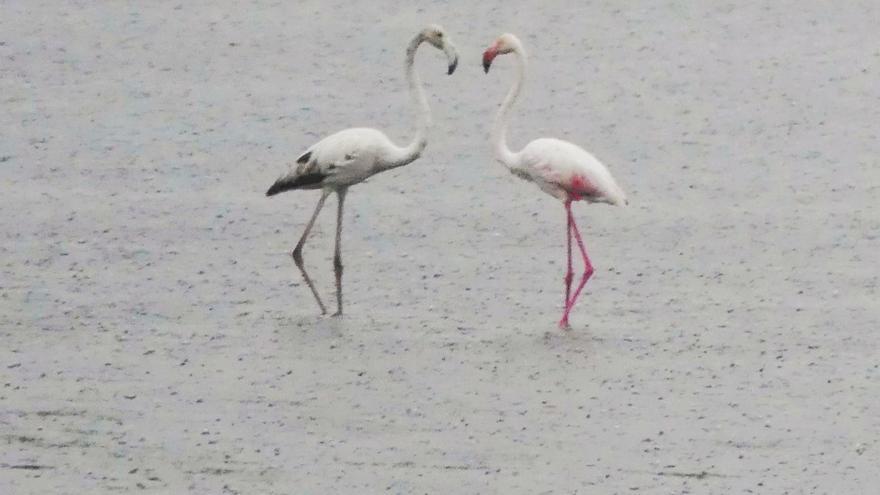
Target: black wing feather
285, 184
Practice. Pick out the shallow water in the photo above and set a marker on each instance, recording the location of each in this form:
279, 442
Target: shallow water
157, 335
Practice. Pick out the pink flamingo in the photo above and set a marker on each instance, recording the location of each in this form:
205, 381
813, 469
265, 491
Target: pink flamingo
559, 168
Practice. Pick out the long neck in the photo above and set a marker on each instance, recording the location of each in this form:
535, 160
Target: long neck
415, 148
499, 128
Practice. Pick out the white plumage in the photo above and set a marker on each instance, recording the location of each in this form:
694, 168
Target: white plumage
563, 169
559, 168
348, 157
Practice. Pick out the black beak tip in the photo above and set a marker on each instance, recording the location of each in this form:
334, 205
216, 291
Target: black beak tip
486, 67
452, 67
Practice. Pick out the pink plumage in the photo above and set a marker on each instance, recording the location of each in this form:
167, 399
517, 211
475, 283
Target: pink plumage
559, 168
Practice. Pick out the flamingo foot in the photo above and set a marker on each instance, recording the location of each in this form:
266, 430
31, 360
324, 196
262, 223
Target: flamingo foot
563, 323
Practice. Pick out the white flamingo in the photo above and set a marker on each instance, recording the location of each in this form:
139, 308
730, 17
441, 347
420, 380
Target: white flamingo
348, 157
561, 169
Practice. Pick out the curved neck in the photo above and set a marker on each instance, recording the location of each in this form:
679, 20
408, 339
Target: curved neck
414, 149
499, 128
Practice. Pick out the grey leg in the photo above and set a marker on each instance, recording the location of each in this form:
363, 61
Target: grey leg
297, 251
337, 257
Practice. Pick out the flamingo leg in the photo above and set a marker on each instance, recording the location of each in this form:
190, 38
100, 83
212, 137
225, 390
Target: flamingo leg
569, 274
588, 269
297, 251
337, 257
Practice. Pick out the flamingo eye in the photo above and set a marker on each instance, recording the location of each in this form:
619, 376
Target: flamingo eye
439, 34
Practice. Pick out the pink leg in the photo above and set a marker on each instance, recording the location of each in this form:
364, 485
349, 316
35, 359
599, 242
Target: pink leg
588, 271
570, 273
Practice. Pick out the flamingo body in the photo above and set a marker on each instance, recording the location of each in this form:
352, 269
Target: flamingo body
342, 159
567, 172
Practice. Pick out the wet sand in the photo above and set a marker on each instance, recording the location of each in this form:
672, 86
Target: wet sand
157, 337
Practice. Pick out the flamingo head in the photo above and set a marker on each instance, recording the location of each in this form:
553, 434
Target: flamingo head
505, 43
437, 37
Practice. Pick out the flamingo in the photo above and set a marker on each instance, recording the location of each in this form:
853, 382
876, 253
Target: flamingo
559, 168
348, 157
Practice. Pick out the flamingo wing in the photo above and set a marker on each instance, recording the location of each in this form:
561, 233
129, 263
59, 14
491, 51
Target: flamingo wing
342, 158
567, 171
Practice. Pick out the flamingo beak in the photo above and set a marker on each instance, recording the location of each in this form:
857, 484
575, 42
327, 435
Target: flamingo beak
452, 66
451, 56
488, 56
